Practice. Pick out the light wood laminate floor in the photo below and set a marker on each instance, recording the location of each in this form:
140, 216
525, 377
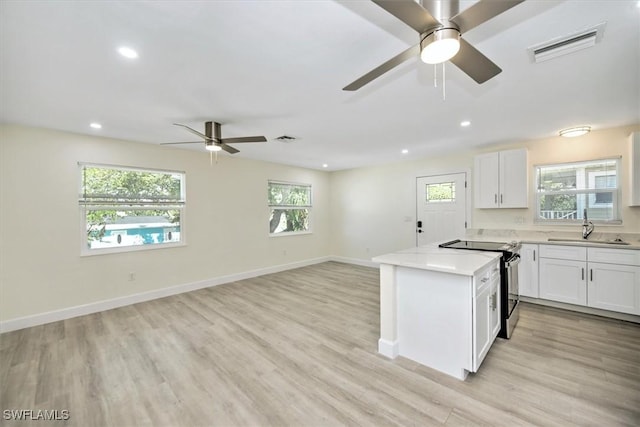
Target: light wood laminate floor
298, 348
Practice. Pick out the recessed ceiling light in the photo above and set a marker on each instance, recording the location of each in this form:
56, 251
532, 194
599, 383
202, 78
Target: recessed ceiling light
96, 125
405, 151
575, 131
324, 165
465, 123
127, 52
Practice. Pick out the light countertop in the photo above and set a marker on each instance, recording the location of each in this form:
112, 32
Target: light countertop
596, 239
431, 257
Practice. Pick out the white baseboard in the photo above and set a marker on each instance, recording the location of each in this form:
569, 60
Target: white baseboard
582, 309
355, 261
388, 348
95, 307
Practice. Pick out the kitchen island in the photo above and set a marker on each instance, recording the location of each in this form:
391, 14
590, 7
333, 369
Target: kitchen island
439, 307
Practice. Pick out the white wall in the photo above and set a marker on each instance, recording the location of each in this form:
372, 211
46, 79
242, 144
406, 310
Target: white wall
226, 221
369, 205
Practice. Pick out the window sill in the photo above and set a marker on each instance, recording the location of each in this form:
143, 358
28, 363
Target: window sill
290, 233
125, 249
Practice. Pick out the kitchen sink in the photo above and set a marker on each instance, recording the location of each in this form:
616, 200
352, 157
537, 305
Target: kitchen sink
603, 242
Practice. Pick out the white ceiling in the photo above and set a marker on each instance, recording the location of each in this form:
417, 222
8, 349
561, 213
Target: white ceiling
277, 67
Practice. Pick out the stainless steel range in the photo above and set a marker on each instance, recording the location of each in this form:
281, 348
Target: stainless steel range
509, 292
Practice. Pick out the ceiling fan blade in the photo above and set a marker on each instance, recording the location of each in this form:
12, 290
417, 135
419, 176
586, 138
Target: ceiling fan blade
480, 12
409, 12
229, 149
412, 52
186, 142
474, 63
244, 139
193, 131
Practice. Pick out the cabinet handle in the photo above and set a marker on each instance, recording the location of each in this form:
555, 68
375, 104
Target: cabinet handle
501, 198
591, 274
494, 302
495, 198
534, 254
582, 273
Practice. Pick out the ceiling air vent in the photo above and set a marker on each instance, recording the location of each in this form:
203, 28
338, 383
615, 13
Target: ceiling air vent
286, 138
567, 44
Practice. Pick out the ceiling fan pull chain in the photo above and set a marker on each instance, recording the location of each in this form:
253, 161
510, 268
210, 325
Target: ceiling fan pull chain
444, 84
435, 75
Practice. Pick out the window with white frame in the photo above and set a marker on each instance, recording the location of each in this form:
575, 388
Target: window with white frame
565, 191
125, 208
289, 207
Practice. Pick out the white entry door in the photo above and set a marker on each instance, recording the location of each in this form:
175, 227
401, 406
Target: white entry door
441, 202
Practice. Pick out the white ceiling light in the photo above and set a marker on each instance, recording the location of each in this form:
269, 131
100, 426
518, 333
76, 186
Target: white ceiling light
127, 52
324, 165
95, 125
210, 146
465, 123
575, 131
405, 151
440, 46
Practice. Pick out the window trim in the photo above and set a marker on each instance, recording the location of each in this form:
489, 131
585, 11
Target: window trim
308, 207
85, 205
616, 204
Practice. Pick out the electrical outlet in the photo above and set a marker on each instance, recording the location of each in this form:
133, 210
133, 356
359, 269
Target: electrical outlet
132, 276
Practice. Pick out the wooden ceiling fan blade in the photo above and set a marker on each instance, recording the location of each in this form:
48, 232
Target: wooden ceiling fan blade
229, 149
380, 70
409, 12
193, 131
474, 63
481, 12
244, 139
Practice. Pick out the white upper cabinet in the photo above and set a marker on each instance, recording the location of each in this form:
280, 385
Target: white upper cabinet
501, 179
634, 160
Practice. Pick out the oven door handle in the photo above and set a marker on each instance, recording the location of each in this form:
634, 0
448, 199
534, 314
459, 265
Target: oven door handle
514, 260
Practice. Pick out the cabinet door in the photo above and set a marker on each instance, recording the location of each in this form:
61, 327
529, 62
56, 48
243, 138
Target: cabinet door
494, 308
486, 185
528, 271
514, 184
563, 280
482, 327
614, 287
634, 175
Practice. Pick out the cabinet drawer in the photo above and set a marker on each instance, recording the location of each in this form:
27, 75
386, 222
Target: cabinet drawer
486, 277
614, 256
576, 253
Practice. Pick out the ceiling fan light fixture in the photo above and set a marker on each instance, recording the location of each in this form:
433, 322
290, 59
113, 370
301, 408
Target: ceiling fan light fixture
575, 131
439, 46
210, 146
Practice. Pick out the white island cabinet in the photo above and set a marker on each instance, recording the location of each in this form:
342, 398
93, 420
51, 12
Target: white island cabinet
439, 307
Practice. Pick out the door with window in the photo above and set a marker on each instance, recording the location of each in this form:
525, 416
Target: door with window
441, 206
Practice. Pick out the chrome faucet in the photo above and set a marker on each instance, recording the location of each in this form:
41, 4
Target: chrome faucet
587, 226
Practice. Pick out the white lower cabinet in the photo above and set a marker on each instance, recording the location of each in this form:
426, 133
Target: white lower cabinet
486, 315
563, 280
597, 277
528, 271
614, 287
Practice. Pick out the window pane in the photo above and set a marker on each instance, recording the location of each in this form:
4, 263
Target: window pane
288, 220
123, 186
441, 192
559, 207
283, 194
566, 192
112, 228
